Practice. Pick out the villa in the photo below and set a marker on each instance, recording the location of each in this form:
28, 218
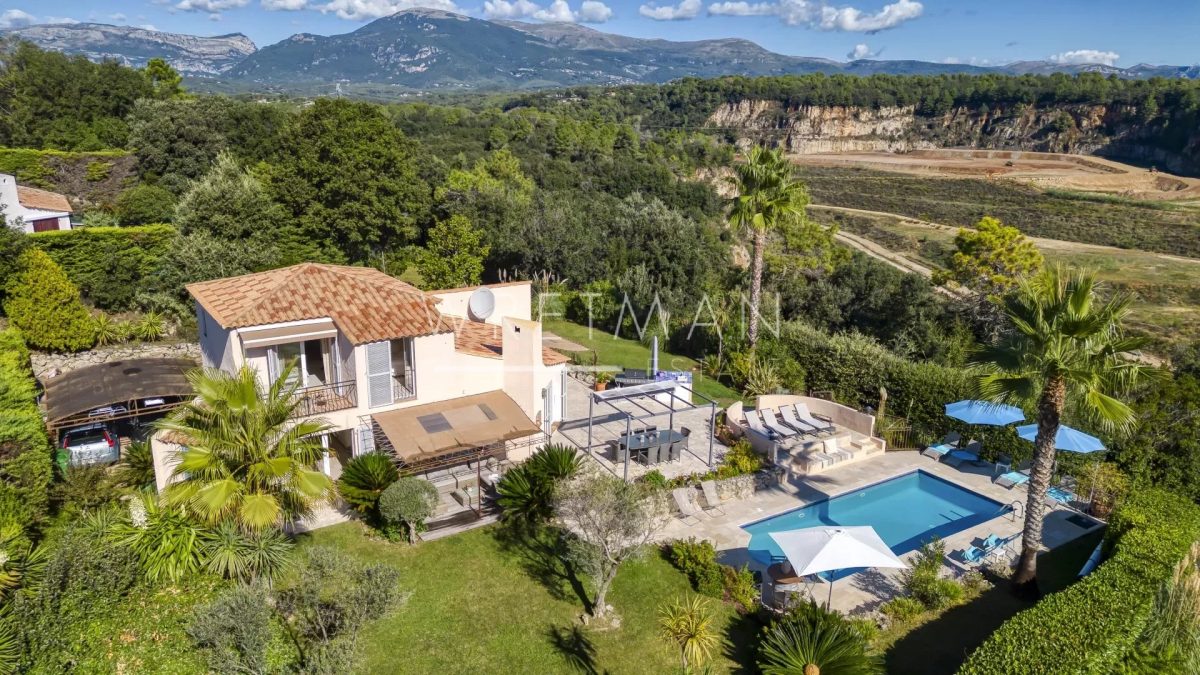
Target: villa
31, 209
454, 384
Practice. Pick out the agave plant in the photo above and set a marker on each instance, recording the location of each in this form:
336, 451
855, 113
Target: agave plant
526, 493
688, 624
364, 478
108, 330
152, 326
812, 641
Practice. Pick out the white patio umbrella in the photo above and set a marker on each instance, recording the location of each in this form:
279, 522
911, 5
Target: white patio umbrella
812, 550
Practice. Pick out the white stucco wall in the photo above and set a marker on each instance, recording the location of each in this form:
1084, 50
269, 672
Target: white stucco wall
512, 300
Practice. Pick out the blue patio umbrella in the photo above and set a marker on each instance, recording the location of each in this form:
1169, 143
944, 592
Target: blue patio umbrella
983, 412
1067, 438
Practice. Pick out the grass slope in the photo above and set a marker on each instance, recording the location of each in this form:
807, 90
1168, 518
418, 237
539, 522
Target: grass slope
614, 351
480, 603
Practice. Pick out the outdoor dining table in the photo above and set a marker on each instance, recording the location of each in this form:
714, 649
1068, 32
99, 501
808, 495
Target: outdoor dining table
650, 445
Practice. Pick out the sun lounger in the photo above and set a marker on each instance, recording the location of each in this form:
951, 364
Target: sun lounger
687, 507
710, 496
772, 423
1012, 479
1058, 495
788, 413
938, 452
756, 425
969, 454
808, 418
990, 545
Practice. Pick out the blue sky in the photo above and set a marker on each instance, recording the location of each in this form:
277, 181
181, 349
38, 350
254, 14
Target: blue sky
967, 31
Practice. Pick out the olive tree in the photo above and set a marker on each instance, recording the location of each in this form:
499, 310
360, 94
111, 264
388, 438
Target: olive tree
407, 504
610, 521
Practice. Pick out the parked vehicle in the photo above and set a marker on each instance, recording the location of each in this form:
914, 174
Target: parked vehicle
90, 444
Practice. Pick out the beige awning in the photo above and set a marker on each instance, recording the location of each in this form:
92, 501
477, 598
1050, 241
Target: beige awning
276, 335
425, 432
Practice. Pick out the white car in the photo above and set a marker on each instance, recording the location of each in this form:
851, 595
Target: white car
91, 444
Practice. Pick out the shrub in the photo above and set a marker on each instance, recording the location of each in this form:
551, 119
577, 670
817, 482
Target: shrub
1105, 483
740, 587
109, 264
902, 609
655, 478
44, 304
234, 630
145, 204
97, 171
1148, 534
168, 543
152, 326
688, 625
108, 330
742, 459
364, 478
246, 555
25, 466
406, 504
697, 559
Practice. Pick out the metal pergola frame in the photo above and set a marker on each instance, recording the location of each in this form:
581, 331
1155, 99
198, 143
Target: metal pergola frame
648, 392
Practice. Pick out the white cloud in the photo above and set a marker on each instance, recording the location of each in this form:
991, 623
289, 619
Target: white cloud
862, 51
284, 5
118, 17
818, 14
361, 10
59, 19
591, 11
686, 9
215, 16
148, 26
1086, 56
743, 8
15, 18
210, 6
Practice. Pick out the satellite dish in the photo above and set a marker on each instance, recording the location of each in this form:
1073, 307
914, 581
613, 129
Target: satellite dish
481, 304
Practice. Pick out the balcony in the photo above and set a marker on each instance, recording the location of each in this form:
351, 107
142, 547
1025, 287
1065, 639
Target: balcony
326, 398
404, 385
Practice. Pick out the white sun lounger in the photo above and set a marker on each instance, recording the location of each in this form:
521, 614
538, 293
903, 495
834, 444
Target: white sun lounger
772, 423
687, 507
756, 425
809, 419
789, 418
711, 497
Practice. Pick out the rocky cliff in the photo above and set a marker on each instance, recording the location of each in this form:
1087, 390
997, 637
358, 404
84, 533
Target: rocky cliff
1076, 129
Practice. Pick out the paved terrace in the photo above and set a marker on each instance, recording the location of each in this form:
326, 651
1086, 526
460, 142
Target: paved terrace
609, 425
865, 591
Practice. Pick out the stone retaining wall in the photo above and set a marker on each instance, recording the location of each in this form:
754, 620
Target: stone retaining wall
49, 365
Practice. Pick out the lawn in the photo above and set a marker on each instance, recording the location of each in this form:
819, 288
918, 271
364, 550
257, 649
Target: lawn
615, 351
482, 603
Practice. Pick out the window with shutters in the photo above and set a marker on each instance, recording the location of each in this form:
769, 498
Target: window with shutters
379, 374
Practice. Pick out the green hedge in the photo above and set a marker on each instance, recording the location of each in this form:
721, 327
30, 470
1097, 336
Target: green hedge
32, 168
1092, 625
854, 367
25, 468
108, 264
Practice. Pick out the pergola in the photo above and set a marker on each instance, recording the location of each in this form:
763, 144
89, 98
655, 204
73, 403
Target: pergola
116, 390
653, 399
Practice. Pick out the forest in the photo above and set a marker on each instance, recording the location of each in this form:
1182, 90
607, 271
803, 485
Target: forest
605, 192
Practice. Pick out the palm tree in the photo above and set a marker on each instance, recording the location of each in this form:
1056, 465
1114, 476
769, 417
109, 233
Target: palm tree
688, 624
813, 641
1064, 346
768, 197
245, 457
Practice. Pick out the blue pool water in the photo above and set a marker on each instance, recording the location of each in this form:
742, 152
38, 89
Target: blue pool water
906, 511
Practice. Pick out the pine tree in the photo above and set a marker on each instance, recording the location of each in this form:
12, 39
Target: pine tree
46, 307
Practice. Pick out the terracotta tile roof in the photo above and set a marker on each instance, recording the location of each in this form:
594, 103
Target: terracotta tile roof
365, 304
33, 198
483, 339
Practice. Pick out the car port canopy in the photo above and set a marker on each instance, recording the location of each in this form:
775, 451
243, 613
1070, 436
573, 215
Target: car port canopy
115, 390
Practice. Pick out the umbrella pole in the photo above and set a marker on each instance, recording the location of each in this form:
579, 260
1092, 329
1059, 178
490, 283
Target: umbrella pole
829, 600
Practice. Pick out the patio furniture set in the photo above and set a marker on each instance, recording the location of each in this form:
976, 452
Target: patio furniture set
650, 446
807, 442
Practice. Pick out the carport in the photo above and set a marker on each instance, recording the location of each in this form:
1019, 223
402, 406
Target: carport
117, 390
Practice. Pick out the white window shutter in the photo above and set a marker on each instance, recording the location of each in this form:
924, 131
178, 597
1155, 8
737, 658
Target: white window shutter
366, 440
379, 374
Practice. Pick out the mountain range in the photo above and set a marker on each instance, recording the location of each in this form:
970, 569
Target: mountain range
426, 50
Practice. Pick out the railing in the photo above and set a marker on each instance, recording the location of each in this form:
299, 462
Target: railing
326, 398
897, 433
404, 388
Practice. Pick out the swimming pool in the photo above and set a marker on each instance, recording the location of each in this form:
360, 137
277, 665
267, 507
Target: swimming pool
906, 511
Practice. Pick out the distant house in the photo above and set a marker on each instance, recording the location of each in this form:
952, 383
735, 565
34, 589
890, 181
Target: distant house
449, 384
31, 209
